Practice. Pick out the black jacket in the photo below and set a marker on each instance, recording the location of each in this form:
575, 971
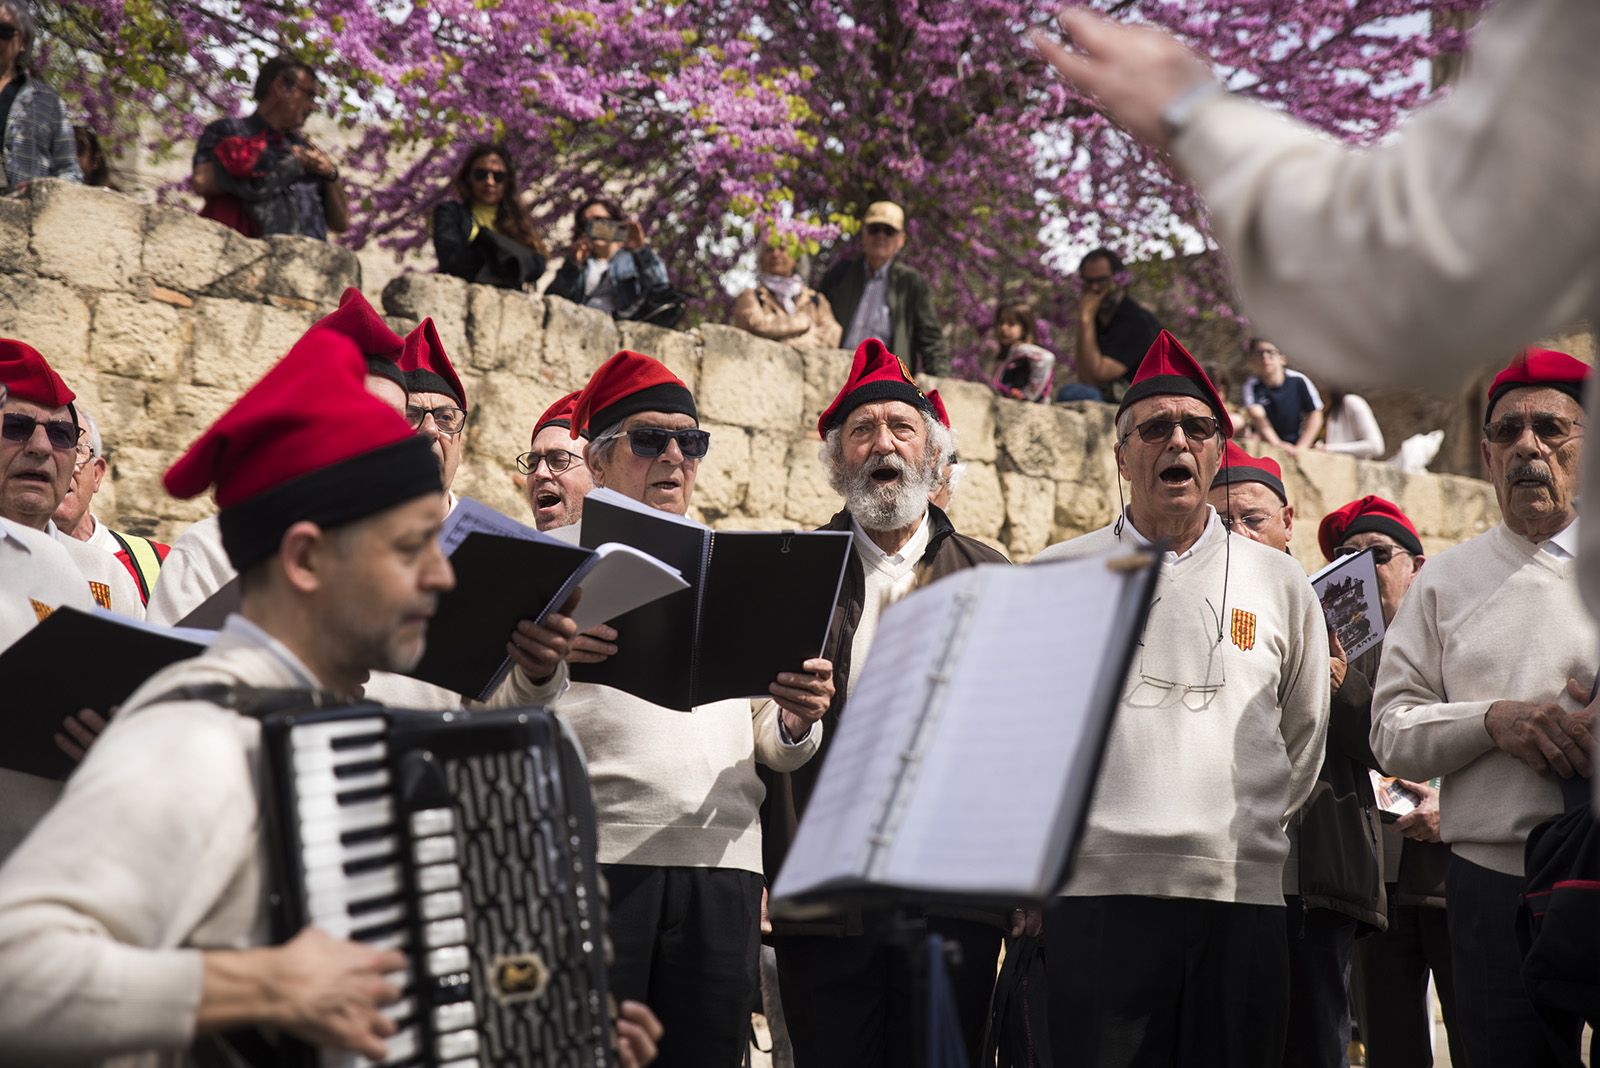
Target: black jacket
489, 258
916, 334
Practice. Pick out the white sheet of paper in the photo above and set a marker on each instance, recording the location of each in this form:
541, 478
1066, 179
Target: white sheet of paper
619, 579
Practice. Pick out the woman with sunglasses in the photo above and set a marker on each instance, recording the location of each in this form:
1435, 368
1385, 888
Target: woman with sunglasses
485, 235
37, 141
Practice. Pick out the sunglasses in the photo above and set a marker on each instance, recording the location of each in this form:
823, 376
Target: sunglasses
557, 460
651, 441
1551, 429
7, 32
1381, 554
449, 419
881, 230
484, 174
1159, 431
63, 433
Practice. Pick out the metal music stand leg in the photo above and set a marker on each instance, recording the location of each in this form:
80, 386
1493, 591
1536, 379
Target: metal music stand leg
936, 1026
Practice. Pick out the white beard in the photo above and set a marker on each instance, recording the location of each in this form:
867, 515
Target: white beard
891, 507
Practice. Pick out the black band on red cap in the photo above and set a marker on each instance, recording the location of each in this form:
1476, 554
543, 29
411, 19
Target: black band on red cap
1233, 474
875, 392
563, 422
1571, 389
1169, 385
425, 381
661, 397
383, 367
364, 485
1382, 524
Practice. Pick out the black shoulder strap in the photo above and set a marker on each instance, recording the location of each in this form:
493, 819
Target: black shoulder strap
256, 701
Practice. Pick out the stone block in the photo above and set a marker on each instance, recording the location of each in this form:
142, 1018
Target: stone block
825, 371
769, 475
576, 341
1030, 512
48, 315
138, 338
235, 342
414, 297
748, 381
680, 351
809, 500
505, 329
724, 475
979, 506
1041, 439
143, 503
971, 408
495, 485
1083, 504
87, 237
16, 226
505, 406
1470, 507
192, 255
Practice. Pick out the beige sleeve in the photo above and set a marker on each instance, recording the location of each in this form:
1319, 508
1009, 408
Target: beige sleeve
518, 690
754, 315
1444, 249
765, 722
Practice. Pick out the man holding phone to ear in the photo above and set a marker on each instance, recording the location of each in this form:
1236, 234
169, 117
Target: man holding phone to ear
612, 268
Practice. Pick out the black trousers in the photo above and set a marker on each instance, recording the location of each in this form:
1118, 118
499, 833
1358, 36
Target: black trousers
1496, 1020
687, 942
1138, 981
1396, 1025
848, 1000
1320, 947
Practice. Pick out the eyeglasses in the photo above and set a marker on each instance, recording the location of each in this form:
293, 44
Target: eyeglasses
651, 441
449, 419
8, 32
1550, 429
63, 433
484, 174
881, 230
85, 455
1253, 522
1153, 692
1381, 554
557, 460
1159, 431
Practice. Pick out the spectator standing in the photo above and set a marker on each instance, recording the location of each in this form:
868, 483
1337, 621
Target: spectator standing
1168, 945
1391, 1000
1350, 427
612, 268
485, 235
92, 158
75, 516
37, 138
780, 306
875, 295
260, 174
1114, 330
1284, 406
1485, 681
1023, 370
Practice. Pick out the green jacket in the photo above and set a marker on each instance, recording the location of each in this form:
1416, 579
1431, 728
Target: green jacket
918, 336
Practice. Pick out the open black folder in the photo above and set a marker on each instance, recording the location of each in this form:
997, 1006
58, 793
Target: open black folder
758, 603
45, 681
507, 572
971, 739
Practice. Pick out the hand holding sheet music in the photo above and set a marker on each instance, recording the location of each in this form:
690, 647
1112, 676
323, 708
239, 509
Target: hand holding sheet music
967, 766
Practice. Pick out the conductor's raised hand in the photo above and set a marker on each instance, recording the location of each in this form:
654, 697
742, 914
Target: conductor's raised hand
539, 648
1135, 72
804, 695
329, 992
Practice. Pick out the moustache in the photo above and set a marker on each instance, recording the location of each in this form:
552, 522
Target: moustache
1530, 472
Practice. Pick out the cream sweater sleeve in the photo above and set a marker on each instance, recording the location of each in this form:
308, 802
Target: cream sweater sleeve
1440, 251
1303, 698
1417, 731
771, 750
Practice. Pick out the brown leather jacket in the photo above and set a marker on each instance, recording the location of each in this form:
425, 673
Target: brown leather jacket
788, 793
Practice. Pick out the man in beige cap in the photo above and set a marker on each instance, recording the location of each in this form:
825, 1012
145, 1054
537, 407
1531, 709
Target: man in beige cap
875, 295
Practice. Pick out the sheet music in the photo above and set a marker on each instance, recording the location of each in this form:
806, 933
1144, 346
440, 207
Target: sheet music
474, 517
619, 579
1017, 709
883, 707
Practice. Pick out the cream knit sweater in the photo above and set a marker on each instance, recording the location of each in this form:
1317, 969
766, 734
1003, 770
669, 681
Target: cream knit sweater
1495, 618
1191, 802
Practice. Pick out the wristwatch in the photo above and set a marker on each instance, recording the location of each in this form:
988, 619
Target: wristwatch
1178, 114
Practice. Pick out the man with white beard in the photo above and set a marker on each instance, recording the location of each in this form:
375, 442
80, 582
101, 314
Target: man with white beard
845, 986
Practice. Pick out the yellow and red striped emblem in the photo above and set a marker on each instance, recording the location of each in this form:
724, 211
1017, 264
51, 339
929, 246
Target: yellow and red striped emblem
41, 611
1244, 629
101, 594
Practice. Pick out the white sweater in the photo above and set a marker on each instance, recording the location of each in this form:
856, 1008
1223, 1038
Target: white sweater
679, 789
1495, 618
1192, 803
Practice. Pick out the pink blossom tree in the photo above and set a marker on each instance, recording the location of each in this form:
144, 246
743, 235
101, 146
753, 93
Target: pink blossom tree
716, 121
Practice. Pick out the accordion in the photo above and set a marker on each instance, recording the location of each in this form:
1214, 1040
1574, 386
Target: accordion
467, 841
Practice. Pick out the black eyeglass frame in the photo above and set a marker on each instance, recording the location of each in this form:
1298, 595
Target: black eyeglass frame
54, 429
693, 442
529, 462
1158, 431
416, 416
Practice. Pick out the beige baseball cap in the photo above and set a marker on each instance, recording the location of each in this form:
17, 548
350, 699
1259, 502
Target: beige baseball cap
886, 212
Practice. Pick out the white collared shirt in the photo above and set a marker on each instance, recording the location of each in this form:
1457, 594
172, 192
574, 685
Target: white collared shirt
872, 318
101, 538
1564, 546
887, 578
1169, 557
241, 627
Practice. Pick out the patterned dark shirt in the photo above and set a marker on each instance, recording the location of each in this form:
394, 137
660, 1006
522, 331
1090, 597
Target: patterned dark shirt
38, 138
289, 201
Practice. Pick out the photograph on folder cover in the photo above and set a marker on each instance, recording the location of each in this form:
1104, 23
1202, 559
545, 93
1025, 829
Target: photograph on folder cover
1348, 590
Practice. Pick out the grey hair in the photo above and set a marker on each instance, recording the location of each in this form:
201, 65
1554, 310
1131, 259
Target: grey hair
26, 30
941, 448
1124, 423
91, 429
600, 448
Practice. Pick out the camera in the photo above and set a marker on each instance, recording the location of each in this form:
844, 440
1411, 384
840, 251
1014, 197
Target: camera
615, 230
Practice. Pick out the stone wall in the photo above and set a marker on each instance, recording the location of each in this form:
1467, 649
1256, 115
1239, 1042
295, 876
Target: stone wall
158, 319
